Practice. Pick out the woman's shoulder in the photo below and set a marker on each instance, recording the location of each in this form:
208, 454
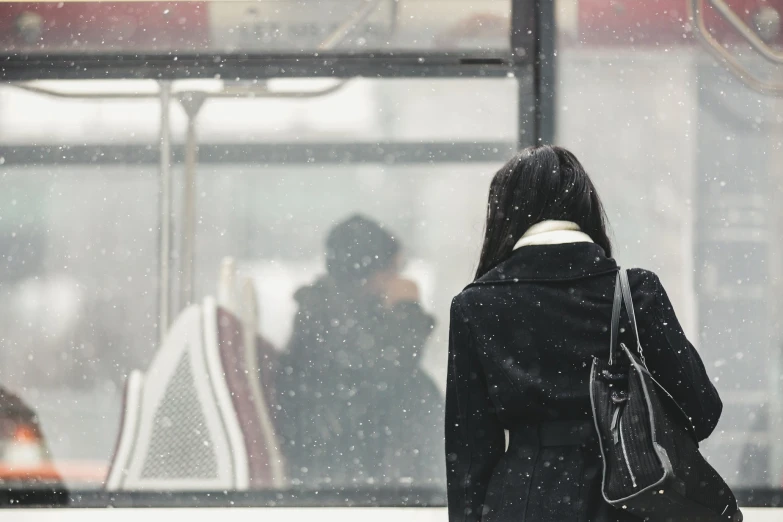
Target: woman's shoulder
643, 280
645, 284
469, 295
476, 300
646, 288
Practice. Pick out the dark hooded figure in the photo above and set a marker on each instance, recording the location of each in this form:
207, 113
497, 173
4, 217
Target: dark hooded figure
357, 408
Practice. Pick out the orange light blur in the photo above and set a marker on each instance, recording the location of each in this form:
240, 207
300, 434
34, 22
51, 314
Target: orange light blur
25, 434
82, 472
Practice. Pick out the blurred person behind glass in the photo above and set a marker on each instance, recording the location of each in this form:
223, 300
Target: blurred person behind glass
357, 408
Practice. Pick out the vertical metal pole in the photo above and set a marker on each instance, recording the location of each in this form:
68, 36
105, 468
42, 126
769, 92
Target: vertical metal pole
533, 31
545, 71
164, 206
188, 215
192, 103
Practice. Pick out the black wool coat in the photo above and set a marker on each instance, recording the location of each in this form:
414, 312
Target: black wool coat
355, 407
521, 345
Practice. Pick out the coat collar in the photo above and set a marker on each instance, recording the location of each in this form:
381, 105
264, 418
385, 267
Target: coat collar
553, 232
566, 261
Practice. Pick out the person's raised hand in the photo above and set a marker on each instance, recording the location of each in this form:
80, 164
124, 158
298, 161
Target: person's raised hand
399, 290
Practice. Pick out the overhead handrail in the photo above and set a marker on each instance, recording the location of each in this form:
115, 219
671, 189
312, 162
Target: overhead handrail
230, 90
750, 35
721, 53
101, 95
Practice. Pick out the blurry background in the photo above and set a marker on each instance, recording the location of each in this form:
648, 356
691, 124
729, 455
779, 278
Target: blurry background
686, 155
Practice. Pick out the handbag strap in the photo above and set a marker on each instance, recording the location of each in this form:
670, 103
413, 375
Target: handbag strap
615, 330
622, 292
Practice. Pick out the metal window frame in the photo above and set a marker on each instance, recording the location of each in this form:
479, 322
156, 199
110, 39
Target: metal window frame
264, 154
418, 497
189, 66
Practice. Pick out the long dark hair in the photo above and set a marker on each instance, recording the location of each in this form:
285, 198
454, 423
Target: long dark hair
541, 182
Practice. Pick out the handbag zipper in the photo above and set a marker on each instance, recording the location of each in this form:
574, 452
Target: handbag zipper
625, 453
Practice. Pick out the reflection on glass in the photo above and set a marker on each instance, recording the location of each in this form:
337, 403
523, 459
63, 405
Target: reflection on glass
357, 406
264, 26
688, 157
25, 458
292, 366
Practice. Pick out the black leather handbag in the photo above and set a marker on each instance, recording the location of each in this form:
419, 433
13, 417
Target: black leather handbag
652, 466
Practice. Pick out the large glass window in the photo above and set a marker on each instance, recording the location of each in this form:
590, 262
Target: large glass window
289, 201
236, 292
